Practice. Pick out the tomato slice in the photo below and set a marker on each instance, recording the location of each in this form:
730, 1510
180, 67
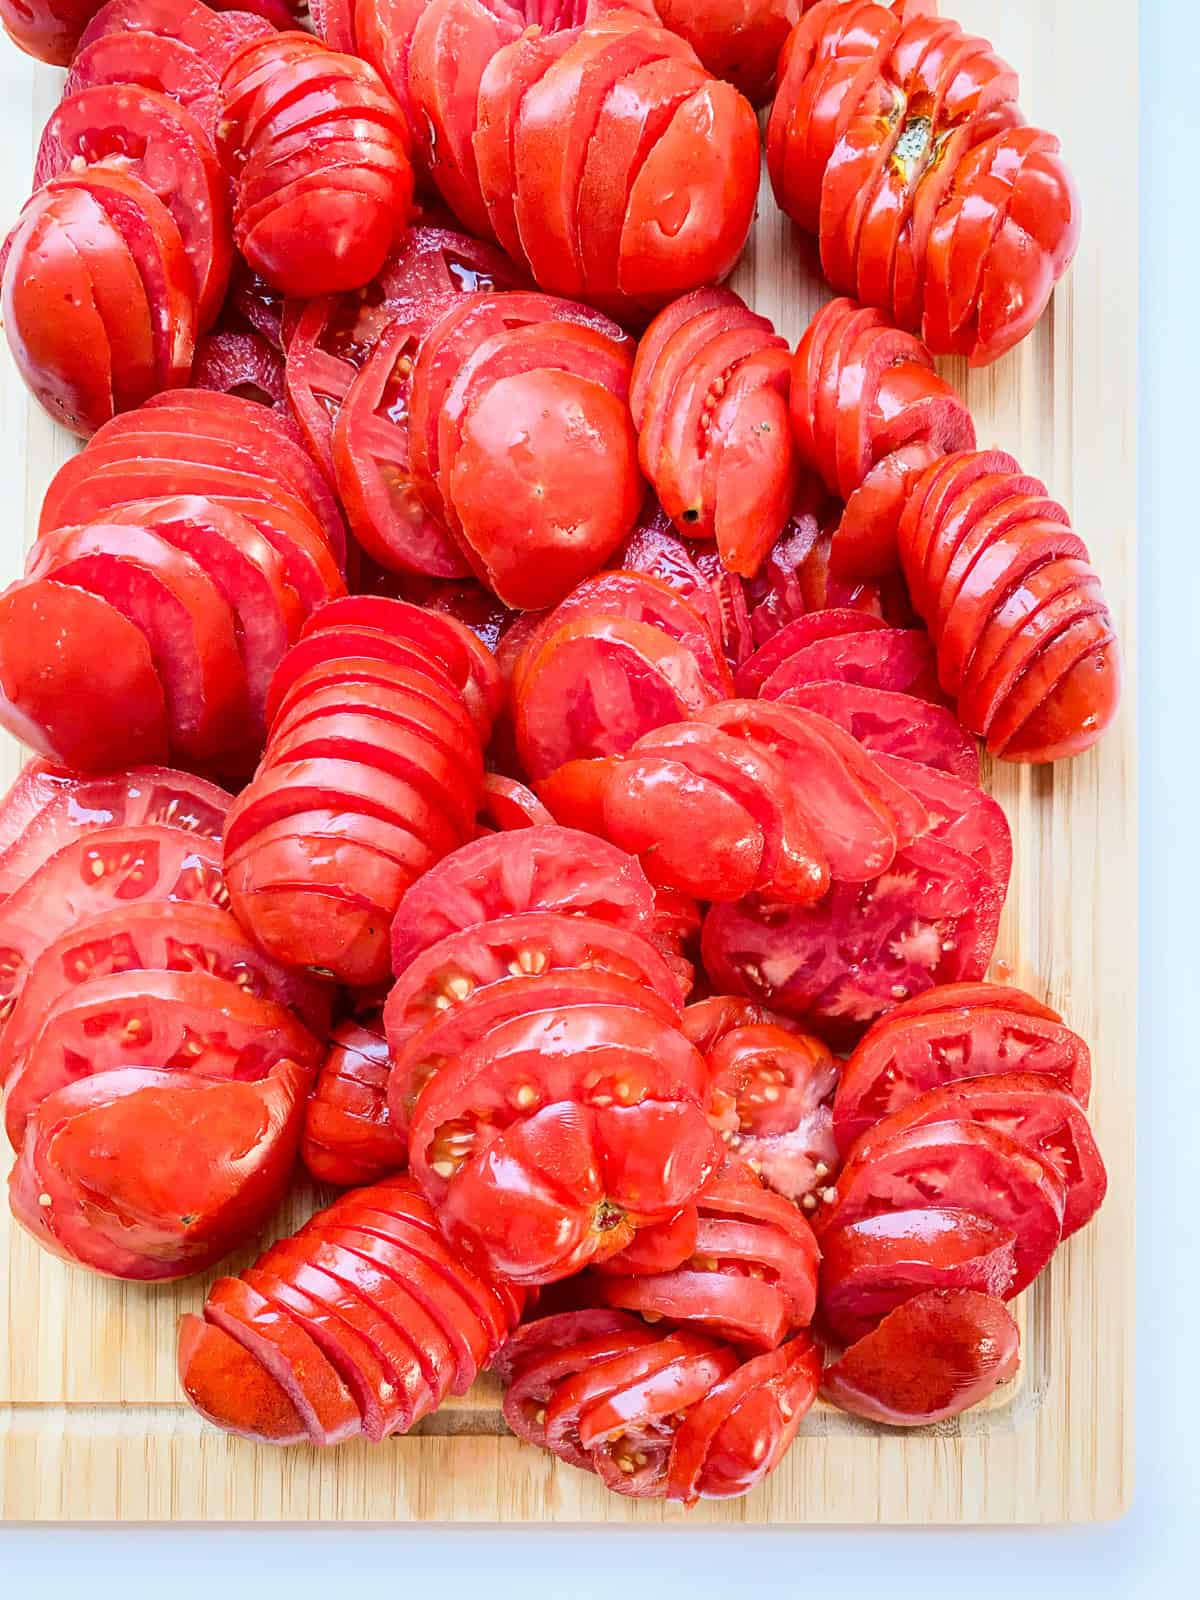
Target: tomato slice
1079, 707
900, 660
960, 814
275, 1340
155, 61
543, 868
175, 1022
92, 874
157, 140
930, 918
224, 1153
629, 1431
964, 1165
228, 1387
870, 1267
706, 1022
505, 949
933, 1357
1035, 1110
855, 827
48, 809
180, 936
740, 1431
543, 1354
796, 636
887, 722
907, 1055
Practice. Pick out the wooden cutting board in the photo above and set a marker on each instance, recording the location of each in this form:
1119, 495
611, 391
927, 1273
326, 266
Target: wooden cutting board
91, 1426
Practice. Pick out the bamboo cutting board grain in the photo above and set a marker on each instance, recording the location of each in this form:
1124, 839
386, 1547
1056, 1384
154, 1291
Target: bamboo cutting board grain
91, 1426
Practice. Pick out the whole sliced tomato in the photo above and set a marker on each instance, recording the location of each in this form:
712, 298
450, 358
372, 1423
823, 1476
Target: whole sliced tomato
168, 1022
541, 868
543, 1353
224, 1152
772, 1101
738, 40
930, 918
934, 1356
870, 1267
49, 809
905, 1056
608, 1134
738, 1434
958, 1165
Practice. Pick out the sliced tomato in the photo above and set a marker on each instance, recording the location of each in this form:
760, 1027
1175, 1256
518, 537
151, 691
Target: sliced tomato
958, 1165
530, 944
171, 1022
224, 1153
960, 814
172, 937
228, 1387
930, 918
543, 868
659, 1248
870, 1267
796, 636
887, 722
772, 1101
933, 1357
94, 873
740, 1431
906, 1056
900, 660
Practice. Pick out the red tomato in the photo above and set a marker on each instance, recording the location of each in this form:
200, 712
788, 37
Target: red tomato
542, 868
183, 936
659, 1248
958, 1165
152, 138
772, 1101
506, 804
888, 137
959, 813
736, 39
348, 1137
49, 809
241, 363
899, 660
710, 402
507, 951
227, 1386
906, 1055
1035, 1110
930, 918
870, 1267
49, 32
362, 1322
738, 1434
223, 1156
92, 874
933, 1357
887, 722
107, 709
171, 1022
541, 1162
751, 1278
864, 541
796, 636
334, 336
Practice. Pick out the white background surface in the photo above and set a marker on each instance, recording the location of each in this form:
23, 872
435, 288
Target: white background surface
1154, 1551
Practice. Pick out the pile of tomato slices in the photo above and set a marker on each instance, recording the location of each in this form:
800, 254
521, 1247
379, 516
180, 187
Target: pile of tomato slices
505, 718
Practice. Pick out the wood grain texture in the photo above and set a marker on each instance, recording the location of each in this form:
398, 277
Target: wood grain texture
90, 1421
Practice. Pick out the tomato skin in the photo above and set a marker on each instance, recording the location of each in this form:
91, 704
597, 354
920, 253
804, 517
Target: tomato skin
888, 137
318, 226
223, 1157
371, 1262
323, 896
871, 1266
933, 1357
228, 1387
